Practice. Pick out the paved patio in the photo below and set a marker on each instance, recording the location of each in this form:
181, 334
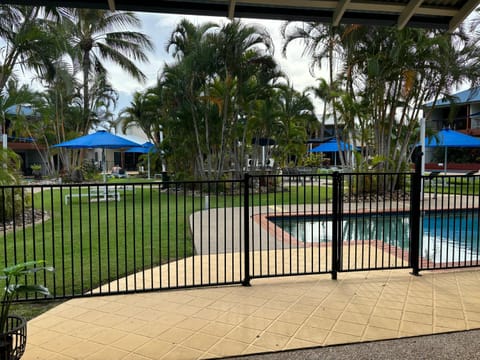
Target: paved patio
273, 314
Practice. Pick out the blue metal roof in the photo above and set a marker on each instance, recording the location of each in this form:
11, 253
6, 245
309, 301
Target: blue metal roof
462, 97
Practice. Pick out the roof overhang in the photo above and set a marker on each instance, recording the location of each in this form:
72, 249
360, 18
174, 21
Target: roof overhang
443, 14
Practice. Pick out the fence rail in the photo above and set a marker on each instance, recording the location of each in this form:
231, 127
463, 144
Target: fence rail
131, 237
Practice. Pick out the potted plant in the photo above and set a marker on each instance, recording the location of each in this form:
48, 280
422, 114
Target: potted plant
13, 334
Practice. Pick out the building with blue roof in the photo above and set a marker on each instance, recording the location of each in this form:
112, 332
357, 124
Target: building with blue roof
460, 112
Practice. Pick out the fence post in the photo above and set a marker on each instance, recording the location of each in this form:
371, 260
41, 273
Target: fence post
415, 212
246, 229
335, 224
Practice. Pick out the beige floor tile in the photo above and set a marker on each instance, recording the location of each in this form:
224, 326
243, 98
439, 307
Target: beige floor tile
175, 335
253, 349
377, 333
108, 353
244, 309
267, 313
216, 328
427, 301
201, 341
446, 312
90, 316
408, 328
349, 328
473, 324
272, 341
227, 347
59, 342
232, 318
295, 343
132, 356
42, 354
200, 302
82, 349
130, 342
182, 353
421, 309
328, 313
40, 337
418, 318
311, 334
450, 323
384, 323
193, 324
354, 317
154, 349
72, 327
305, 308
48, 321
388, 313
360, 308
278, 305
208, 314
293, 317
341, 338
188, 310
150, 329
391, 304
243, 334
321, 323
131, 325
222, 305
254, 322
109, 320
334, 305
69, 312
283, 328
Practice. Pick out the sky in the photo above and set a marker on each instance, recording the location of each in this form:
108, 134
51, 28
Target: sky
160, 26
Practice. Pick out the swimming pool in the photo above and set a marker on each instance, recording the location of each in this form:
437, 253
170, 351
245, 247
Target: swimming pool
446, 237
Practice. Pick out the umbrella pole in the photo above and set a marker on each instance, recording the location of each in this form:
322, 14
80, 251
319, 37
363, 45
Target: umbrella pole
104, 166
148, 160
445, 166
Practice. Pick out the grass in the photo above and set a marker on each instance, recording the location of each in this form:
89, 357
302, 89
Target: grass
453, 185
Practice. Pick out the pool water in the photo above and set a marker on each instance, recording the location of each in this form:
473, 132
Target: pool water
446, 237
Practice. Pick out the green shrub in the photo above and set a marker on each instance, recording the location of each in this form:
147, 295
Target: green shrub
11, 199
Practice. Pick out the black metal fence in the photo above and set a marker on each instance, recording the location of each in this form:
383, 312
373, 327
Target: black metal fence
121, 238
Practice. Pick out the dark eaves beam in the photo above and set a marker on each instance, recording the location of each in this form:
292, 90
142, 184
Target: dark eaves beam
469, 7
111, 5
408, 12
339, 11
231, 9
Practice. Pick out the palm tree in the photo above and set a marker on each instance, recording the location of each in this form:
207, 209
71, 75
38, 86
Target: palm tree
97, 36
144, 113
296, 115
29, 39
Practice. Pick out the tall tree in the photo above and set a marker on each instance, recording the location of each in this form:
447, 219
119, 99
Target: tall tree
29, 41
97, 36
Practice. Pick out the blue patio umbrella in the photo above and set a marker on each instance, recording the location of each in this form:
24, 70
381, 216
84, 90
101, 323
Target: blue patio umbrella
332, 146
100, 139
449, 138
146, 148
